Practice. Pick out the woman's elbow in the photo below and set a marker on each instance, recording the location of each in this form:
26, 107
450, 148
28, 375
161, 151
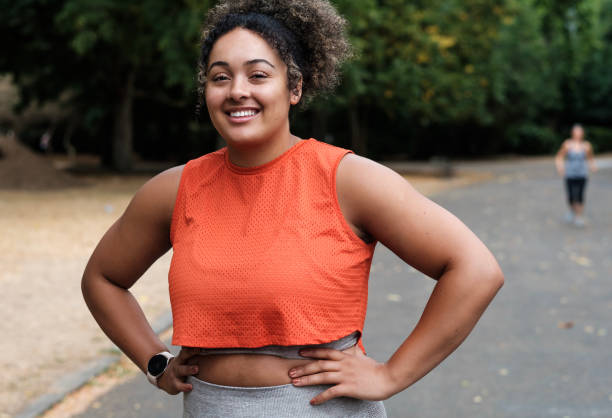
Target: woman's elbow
492, 276
88, 287
92, 283
481, 274
498, 278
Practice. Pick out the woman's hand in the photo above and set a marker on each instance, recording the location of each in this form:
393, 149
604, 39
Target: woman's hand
561, 171
173, 379
352, 373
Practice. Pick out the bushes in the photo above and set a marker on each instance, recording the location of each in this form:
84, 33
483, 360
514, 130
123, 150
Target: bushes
600, 137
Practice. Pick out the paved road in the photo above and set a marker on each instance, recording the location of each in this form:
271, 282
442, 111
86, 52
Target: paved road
520, 361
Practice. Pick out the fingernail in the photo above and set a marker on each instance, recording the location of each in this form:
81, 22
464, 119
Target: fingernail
292, 372
195, 369
296, 381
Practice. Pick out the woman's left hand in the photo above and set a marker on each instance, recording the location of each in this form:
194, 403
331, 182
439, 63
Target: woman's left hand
352, 373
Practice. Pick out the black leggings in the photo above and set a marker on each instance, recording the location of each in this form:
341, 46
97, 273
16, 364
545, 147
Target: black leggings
575, 189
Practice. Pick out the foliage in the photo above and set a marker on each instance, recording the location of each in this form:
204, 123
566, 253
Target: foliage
93, 48
454, 77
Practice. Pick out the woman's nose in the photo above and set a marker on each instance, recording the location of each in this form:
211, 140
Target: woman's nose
239, 89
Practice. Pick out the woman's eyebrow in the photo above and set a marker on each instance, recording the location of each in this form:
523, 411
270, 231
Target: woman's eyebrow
258, 60
221, 63
250, 62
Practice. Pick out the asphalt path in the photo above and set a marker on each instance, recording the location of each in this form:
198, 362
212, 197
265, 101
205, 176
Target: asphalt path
542, 349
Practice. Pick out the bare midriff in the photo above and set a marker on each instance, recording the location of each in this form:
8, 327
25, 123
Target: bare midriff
244, 370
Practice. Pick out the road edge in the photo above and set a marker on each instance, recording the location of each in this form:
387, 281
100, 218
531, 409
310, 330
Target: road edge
73, 381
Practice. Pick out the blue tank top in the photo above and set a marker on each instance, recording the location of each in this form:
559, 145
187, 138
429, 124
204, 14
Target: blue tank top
576, 164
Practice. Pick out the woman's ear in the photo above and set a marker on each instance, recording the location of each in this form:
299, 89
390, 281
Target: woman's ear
296, 94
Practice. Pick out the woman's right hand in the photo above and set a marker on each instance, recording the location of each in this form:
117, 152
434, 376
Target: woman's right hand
173, 379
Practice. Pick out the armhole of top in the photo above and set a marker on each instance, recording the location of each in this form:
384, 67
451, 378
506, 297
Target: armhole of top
178, 204
347, 227
360, 344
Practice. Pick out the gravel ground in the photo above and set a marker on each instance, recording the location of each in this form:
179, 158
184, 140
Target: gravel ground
47, 238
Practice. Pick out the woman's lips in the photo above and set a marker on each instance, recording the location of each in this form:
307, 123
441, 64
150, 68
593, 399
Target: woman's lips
242, 115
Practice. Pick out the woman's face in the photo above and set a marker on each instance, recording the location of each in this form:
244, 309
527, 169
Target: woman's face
577, 133
247, 93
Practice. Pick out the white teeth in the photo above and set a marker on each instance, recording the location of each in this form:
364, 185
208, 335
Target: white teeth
241, 113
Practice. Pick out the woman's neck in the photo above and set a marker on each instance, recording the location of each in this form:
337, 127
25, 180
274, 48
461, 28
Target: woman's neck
576, 142
257, 154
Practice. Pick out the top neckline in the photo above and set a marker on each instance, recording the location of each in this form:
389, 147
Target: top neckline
264, 167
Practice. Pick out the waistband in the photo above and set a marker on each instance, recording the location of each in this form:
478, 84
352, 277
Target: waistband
291, 351
212, 400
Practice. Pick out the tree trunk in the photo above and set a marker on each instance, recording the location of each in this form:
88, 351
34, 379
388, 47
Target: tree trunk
358, 137
73, 122
122, 143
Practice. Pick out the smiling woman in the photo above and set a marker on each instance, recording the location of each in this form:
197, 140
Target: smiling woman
247, 96
273, 238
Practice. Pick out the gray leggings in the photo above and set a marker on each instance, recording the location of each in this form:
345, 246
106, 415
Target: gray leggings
210, 400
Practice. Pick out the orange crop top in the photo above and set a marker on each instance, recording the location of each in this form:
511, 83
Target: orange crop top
263, 255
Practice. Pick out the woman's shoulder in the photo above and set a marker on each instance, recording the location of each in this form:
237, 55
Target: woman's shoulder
168, 179
565, 146
355, 169
325, 153
360, 180
155, 198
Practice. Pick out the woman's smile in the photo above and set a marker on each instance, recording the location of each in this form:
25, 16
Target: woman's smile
247, 94
241, 115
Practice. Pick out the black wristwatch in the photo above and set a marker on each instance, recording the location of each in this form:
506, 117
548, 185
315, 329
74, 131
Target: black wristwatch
157, 366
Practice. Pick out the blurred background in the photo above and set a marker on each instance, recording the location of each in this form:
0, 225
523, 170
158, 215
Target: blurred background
431, 78
468, 99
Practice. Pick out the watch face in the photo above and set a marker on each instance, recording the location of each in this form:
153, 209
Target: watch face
157, 364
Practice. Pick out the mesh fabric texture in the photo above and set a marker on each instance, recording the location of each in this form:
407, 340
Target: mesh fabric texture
263, 255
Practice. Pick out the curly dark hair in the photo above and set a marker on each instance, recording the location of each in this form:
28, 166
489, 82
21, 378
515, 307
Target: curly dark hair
309, 35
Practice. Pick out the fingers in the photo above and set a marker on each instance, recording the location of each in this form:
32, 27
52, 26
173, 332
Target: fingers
176, 387
186, 353
325, 378
185, 370
173, 379
172, 384
323, 353
183, 387
331, 393
317, 366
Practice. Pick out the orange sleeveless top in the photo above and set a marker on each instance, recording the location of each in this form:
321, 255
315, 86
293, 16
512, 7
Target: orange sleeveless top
263, 255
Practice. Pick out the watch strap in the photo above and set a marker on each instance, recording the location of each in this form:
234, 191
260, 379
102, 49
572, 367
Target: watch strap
153, 379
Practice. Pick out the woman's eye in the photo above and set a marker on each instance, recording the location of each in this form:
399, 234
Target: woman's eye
259, 75
220, 77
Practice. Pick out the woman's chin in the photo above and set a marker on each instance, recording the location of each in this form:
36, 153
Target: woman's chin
244, 138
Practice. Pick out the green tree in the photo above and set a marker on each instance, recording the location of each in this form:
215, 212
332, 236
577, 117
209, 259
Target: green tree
101, 51
572, 30
429, 63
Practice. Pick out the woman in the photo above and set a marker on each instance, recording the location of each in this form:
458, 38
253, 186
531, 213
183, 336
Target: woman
272, 241
571, 162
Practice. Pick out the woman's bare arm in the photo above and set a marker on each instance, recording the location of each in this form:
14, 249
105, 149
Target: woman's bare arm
591, 157
138, 238
433, 241
383, 205
560, 157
